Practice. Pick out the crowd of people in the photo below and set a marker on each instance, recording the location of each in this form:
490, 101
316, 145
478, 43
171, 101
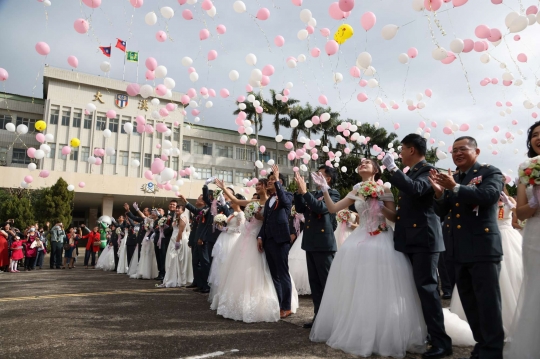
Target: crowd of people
373, 269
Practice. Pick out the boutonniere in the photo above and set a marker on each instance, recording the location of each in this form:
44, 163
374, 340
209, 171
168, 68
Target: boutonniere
475, 181
320, 198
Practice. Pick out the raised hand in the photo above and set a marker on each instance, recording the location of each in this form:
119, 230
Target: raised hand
182, 198
446, 180
275, 171
135, 206
320, 181
219, 183
209, 180
126, 207
302, 188
388, 162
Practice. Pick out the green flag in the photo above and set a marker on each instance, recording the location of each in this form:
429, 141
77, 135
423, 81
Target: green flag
132, 56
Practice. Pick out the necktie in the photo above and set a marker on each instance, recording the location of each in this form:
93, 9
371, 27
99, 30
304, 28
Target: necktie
462, 176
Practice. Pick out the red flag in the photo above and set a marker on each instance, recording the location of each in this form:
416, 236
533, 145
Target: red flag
106, 50
121, 45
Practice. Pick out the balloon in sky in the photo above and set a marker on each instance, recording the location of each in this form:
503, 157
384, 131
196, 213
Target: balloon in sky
368, 20
43, 48
343, 33
81, 26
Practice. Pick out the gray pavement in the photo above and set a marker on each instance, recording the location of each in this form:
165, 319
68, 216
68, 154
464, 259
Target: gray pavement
84, 313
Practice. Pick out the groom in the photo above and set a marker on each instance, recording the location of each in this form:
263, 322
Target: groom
274, 239
418, 235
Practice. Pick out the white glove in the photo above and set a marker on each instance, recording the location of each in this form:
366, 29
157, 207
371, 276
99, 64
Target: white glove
209, 180
320, 181
388, 162
221, 200
135, 206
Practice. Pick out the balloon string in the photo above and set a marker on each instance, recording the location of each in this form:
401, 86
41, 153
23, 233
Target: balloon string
405, 82
513, 60
259, 26
437, 22
431, 30
106, 17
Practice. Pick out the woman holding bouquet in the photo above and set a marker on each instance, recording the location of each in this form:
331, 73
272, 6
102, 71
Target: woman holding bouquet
370, 305
523, 341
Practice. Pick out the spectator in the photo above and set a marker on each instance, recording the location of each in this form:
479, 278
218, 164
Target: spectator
57, 242
4, 248
16, 254
39, 244
70, 245
92, 247
31, 250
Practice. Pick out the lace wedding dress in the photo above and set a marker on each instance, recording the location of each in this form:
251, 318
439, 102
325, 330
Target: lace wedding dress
147, 268
523, 341
370, 304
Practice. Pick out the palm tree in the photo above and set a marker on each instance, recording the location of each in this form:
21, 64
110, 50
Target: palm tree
378, 136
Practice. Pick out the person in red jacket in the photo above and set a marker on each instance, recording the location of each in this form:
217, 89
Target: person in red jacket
92, 246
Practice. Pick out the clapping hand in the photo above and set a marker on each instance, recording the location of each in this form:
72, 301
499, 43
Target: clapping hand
433, 174
302, 188
388, 162
320, 181
446, 180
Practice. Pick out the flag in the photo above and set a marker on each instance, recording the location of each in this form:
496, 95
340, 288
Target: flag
106, 50
132, 56
121, 44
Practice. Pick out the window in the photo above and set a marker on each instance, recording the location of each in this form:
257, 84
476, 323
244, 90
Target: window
203, 148
85, 153
175, 162
159, 135
3, 156
20, 156
204, 172
265, 157
55, 111
113, 125
77, 119
186, 146
224, 151
124, 158
225, 175
111, 159
74, 155
239, 176
88, 121
53, 151
282, 160
147, 160
60, 155
101, 122
29, 122
245, 154
4, 119
135, 132
151, 123
66, 114
176, 134
136, 156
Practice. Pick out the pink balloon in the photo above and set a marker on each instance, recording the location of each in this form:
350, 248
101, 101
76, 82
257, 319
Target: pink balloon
331, 47
92, 3
157, 166
291, 156
148, 128
40, 137
148, 175
3, 74
412, 52
265, 80
253, 141
310, 29
150, 75
263, 14
468, 45
507, 83
433, 5
362, 83
66, 150
362, 97
450, 57
367, 20
212, 55
464, 127
336, 13
395, 106
495, 35
286, 92
482, 32
195, 112
81, 26
496, 128
262, 149
297, 2
204, 34
494, 81
268, 70
428, 92
42, 48
207, 5
508, 135
73, 61
316, 120
325, 32
279, 41
136, 3
457, 3
188, 171
514, 122
192, 92
323, 100
161, 36
224, 93
479, 46
422, 124
289, 145
44, 174
170, 107
28, 179
498, 104
517, 37
522, 57
411, 108
151, 63
82, 184
30, 152
447, 131
211, 92
184, 99
339, 128
494, 141
111, 114
249, 88
187, 14
315, 52
221, 29
163, 112
355, 72
140, 129
531, 10
508, 103
347, 6
396, 126
98, 162
133, 89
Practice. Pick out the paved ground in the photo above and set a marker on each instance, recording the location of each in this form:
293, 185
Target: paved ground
82, 313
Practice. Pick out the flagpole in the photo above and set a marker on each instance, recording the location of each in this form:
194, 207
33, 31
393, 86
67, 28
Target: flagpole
125, 55
110, 54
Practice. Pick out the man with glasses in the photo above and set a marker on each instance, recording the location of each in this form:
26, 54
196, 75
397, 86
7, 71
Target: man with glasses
470, 197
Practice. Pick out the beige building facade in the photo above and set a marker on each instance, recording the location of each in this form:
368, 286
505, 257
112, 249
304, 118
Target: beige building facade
211, 151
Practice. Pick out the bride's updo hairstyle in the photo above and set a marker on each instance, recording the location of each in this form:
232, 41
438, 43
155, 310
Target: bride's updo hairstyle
376, 168
531, 153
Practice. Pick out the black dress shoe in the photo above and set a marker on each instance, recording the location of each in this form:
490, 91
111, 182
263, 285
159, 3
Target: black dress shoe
158, 278
307, 325
191, 286
197, 289
205, 291
447, 295
434, 353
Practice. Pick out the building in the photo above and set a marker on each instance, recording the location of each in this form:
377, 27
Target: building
211, 151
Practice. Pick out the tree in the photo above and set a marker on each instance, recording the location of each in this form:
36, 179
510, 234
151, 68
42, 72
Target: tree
55, 203
378, 136
15, 204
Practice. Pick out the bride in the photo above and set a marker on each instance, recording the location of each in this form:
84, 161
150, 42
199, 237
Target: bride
147, 267
246, 291
523, 342
370, 304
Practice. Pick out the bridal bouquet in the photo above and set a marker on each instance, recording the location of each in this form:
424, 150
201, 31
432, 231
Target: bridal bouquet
118, 230
220, 219
217, 192
293, 211
251, 210
370, 189
162, 221
344, 216
529, 171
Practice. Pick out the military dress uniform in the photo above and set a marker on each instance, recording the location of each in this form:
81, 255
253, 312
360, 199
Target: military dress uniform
475, 246
418, 235
196, 219
318, 241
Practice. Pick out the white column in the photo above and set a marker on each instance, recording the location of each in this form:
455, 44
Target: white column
107, 206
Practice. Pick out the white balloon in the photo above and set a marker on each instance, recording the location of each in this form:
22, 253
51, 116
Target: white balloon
510, 18
378, 100
480, 127
212, 12
49, 137
239, 7
160, 72
90, 107
256, 103
155, 115
302, 34
105, 66
150, 18
110, 151
418, 5
370, 71
289, 85
193, 76
169, 83
389, 31
167, 12
305, 15
308, 124
302, 58
166, 144
294, 123
518, 82
364, 60
135, 163
249, 131
128, 128
10, 127
196, 119
234, 75
167, 174
22, 129
71, 188
312, 22
45, 148
39, 154
187, 61
47, 3
457, 46
209, 104
403, 58
372, 83
256, 75
259, 164
303, 168
421, 105
155, 101
291, 63
519, 24
439, 53
338, 77
507, 76
146, 91
251, 98
251, 59
24, 184
242, 106
441, 155
279, 138
270, 162
107, 133
528, 104
353, 128
484, 58
32, 166
193, 104
519, 132
325, 117
508, 110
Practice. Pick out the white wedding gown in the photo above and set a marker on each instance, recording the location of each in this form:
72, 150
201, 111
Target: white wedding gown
147, 268
524, 341
122, 256
134, 264
370, 304
298, 267
178, 270
511, 275
246, 291
222, 250
106, 259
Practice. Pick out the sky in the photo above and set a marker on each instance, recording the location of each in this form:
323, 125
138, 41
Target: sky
23, 24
